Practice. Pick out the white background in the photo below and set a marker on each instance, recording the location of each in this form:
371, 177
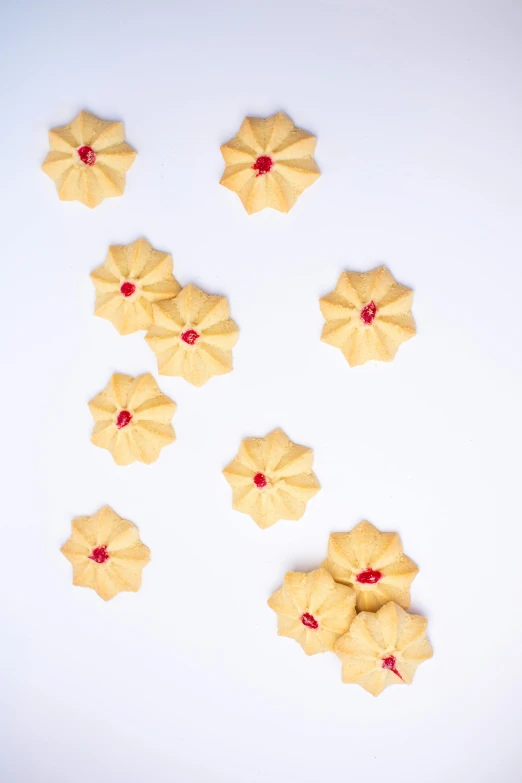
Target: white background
416, 106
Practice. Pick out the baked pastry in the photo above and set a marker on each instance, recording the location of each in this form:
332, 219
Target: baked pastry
193, 336
272, 478
269, 163
88, 159
383, 648
367, 316
313, 609
132, 419
373, 564
106, 553
129, 281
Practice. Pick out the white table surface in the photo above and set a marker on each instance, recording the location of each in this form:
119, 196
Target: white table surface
416, 106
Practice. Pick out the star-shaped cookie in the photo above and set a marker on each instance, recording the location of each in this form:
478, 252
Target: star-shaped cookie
130, 280
313, 609
132, 419
193, 336
383, 648
368, 316
88, 159
272, 478
106, 553
269, 163
373, 564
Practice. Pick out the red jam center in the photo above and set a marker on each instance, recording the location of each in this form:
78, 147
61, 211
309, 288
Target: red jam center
99, 555
368, 313
260, 480
87, 155
190, 336
127, 289
309, 621
368, 577
263, 165
389, 663
123, 419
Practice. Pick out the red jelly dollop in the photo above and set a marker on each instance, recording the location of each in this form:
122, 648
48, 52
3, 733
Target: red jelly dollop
123, 419
127, 289
190, 336
368, 313
309, 621
368, 577
263, 165
87, 155
260, 480
389, 663
99, 555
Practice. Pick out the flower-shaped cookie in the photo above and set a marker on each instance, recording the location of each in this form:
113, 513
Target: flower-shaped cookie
131, 279
106, 553
373, 564
88, 159
384, 648
313, 609
272, 478
368, 316
269, 163
132, 419
193, 336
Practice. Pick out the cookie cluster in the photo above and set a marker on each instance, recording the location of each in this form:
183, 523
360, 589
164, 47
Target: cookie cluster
356, 603
190, 332
355, 606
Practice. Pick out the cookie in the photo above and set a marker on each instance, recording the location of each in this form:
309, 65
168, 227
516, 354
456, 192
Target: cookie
269, 163
88, 159
193, 336
313, 609
383, 648
106, 553
130, 280
373, 564
368, 316
132, 419
272, 478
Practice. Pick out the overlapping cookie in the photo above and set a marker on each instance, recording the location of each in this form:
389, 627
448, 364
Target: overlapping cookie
383, 648
129, 281
313, 609
377, 648
373, 564
193, 336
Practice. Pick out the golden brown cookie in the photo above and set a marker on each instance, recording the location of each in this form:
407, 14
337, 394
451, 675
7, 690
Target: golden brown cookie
383, 648
373, 564
269, 163
106, 553
132, 419
88, 159
368, 316
313, 609
272, 478
129, 281
193, 336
